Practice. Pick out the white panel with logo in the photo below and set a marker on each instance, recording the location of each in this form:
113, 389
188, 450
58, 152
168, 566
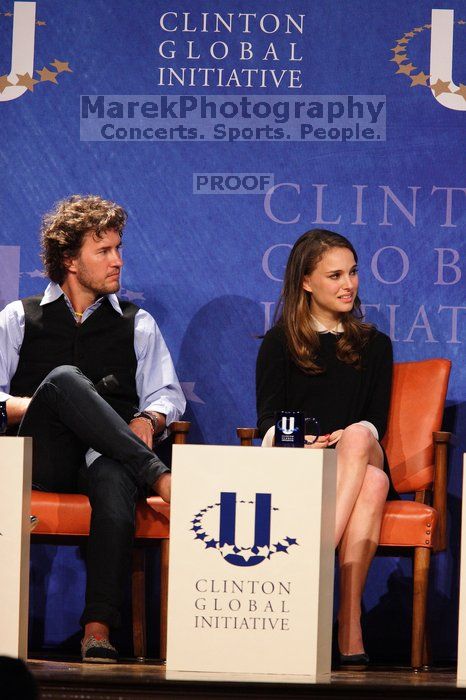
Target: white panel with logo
461, 678
251, 563
15, 487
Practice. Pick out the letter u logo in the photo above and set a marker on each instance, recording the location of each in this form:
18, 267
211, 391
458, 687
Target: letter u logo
22, 48
287, 426
246, 556
441, 58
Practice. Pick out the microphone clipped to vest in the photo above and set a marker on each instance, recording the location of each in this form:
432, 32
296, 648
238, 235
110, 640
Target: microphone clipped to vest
107, 385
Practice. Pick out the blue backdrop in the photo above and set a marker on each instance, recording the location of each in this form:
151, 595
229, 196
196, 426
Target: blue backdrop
375, 152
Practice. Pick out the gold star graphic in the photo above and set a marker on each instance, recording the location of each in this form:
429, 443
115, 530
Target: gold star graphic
407, 69
403, 41
419, 79
398, 48
461, 91
40, 24
461, 21
418, 29
8, 14
428, 26
440, 86
4, 82
26, 81
409, 34
61, 66
47, 75
398, 58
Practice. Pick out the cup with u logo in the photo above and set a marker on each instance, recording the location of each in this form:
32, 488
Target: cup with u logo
291, 428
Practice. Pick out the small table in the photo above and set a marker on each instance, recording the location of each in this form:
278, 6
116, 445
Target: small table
462, 612
15, 490
252, 558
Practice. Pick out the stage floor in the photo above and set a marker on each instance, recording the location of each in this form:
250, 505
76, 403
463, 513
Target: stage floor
62, 679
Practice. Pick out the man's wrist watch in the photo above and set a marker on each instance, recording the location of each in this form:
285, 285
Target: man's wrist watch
151, 417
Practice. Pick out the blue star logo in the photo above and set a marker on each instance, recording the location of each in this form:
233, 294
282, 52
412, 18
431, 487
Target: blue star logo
281, 548
230, 551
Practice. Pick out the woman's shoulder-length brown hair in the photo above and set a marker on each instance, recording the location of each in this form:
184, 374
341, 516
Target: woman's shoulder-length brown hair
293, 311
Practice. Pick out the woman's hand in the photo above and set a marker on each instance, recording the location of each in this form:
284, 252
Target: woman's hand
334, 437
319, 444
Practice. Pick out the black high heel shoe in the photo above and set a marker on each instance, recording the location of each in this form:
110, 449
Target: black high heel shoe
354, 660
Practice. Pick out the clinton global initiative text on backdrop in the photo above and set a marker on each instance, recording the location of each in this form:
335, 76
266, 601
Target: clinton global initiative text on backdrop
392, 265
183, 38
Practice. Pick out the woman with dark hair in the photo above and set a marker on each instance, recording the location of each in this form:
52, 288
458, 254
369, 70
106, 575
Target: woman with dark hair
321, 358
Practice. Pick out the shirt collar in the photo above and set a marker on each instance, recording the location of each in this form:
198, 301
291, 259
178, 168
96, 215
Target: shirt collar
54, 292
320, 328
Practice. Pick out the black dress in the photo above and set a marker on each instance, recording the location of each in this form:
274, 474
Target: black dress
339, 396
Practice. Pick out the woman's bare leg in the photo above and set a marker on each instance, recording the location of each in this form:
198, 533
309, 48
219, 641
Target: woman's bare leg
360, 459
356, 449
355, 553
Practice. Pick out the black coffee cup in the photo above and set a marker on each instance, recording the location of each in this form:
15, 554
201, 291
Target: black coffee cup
291, 428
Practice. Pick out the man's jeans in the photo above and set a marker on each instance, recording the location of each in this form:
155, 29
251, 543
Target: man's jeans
65, 417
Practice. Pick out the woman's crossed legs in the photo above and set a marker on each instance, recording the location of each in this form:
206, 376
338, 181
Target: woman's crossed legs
362, 488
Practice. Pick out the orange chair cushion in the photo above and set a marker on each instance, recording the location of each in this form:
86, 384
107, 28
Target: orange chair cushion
65, 514
408, 524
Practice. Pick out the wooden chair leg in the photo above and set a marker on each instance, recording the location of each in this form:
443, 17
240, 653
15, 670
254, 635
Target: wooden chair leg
420, 585
164, 552
138, 585
426, 651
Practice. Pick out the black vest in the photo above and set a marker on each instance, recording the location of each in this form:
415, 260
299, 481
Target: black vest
102, 345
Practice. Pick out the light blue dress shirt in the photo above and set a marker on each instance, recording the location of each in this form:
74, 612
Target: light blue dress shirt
157, 385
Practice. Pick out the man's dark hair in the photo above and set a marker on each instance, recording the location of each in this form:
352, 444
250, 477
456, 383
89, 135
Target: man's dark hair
63, 229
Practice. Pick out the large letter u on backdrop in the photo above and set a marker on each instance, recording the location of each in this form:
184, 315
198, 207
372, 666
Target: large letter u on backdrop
22, 49
441, 58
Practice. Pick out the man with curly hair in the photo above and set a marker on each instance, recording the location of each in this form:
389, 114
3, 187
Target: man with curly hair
90, 378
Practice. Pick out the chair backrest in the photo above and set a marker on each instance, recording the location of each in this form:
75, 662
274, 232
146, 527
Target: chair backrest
416, 410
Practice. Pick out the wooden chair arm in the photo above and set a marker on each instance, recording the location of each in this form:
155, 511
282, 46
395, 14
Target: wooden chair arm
441, 441
247, 435
179, 429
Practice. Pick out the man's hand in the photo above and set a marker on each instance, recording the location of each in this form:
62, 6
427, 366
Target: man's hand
142, 427
161, 421
163, 486
16, 407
